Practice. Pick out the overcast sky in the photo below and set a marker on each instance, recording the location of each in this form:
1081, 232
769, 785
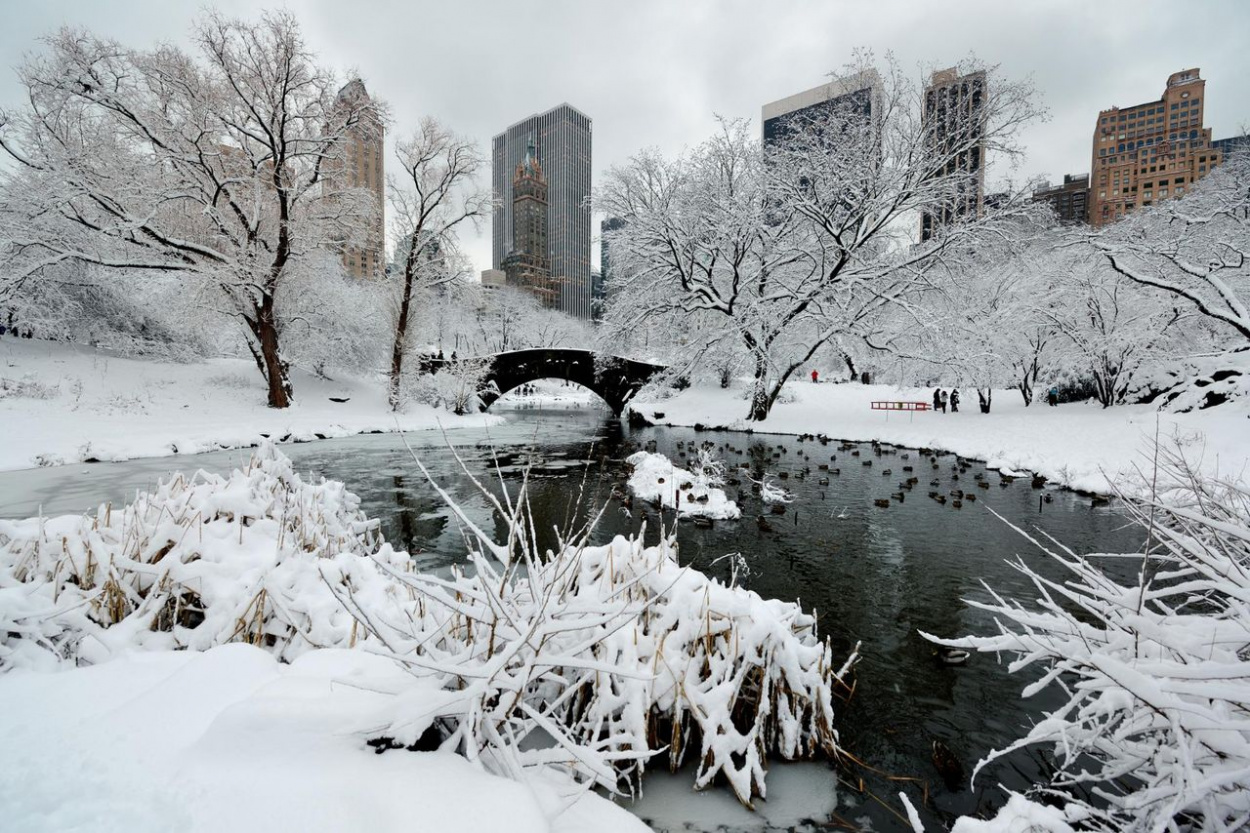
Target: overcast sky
656, 73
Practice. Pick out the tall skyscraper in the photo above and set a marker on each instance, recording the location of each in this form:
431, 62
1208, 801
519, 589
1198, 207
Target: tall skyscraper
1070, 200
528, 266
562, 142
854, 95
1152, 151
954, 107
361, 166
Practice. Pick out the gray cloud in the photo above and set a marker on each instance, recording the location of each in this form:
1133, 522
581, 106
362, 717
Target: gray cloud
654, 73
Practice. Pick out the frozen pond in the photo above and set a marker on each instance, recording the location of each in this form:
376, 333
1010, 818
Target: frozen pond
876, 575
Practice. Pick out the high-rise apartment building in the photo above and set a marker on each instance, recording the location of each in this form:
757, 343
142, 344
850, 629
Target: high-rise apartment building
1070, 201
856, 95
1151, 151
562, 142
360, 166
528, 266
954, 114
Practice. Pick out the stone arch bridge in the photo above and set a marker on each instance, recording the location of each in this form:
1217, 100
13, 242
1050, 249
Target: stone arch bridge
613, 378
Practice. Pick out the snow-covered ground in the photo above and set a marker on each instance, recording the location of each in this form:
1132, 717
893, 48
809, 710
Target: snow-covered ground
548, 393
1080, 445
230, 739
65, 403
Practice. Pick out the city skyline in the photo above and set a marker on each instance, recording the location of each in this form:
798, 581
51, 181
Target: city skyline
561, 139
728, 58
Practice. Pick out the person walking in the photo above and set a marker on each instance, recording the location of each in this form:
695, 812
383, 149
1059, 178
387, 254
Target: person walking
937, 398
943, 401
815, 376
955, 401
1052, 397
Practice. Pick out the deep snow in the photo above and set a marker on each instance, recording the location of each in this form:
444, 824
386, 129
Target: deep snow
100, 406
1081, 445
230, 739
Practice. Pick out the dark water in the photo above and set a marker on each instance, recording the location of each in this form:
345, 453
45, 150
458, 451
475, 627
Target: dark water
875, 575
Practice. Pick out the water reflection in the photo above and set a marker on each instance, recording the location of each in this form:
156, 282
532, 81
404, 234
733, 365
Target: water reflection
876, 575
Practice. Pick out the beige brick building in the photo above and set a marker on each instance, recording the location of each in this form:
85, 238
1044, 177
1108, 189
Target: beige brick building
1151, 151
361, 166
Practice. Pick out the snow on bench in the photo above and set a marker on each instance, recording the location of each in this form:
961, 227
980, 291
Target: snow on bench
901, 406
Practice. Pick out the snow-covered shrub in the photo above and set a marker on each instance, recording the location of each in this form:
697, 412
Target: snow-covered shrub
1153, 735
27, 387
770, 492
457, 386
195, 563
331, 321
592, 659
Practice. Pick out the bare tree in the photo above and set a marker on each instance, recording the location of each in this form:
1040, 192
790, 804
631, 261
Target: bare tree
213, 166
1194, 248
808, 241
436, 193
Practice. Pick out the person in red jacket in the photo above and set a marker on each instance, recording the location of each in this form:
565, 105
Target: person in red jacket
815, 376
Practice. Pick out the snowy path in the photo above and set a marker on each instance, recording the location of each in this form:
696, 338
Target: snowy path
1079, 445
75, 404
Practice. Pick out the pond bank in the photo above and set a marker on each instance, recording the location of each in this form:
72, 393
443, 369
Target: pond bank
1081, 446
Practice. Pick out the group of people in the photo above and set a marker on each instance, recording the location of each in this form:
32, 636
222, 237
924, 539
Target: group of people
940, 399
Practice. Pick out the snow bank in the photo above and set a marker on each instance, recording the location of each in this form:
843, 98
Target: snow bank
655, 478
64, 403
231, 739
1020, 815
1081, 445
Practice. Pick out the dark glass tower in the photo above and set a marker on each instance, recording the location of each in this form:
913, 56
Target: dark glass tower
561, 138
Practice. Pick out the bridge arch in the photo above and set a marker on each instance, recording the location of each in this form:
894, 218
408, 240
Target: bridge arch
613, 378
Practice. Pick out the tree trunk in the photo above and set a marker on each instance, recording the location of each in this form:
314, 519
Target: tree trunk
401, 330
1025, 386
986, 398
850, 366
265, 328
761, 402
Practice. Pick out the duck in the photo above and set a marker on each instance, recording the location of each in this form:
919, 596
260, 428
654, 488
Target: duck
958, 504
763, 524
881, 502
952, 656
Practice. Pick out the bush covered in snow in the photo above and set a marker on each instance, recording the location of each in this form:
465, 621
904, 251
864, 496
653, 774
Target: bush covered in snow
588, 660
1155, 671
198, 562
